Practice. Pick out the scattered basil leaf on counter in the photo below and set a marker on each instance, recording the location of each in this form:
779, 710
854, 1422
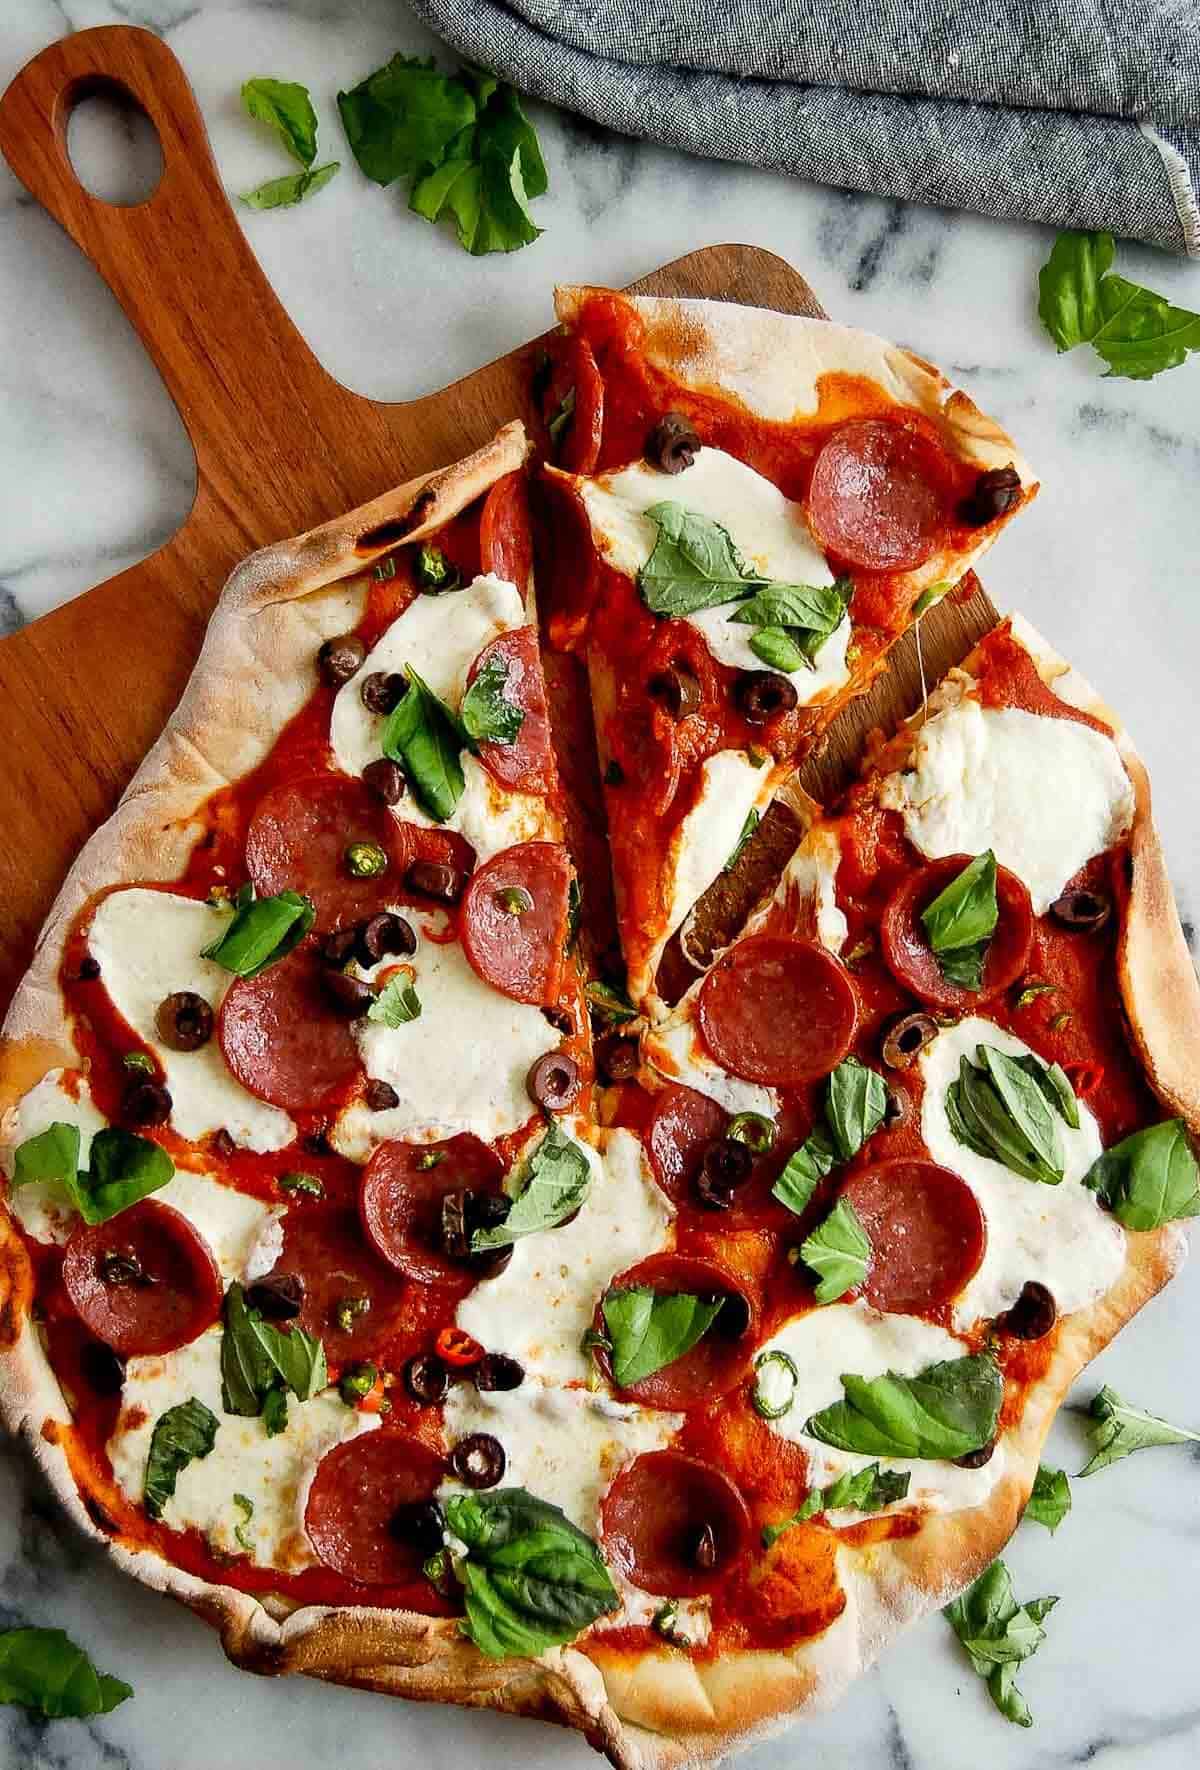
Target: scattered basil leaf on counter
532, 1579
839, 1251
556, 1184
609, 1005
396, 1004
246, 1508
775, 1380
43, 1671
1005, 1108
291, 188
1149, 1178
422, 735
998, 1633
748, 829
487, 715
1136, 333
180, 1436
694, 564
262, 931
651, 1329
287, 109
125, 1168
804, 1170
1050, 1499
1118, 1429
944, 1412
858, 1490
401, 119
961, 920
856, 1100
258, 1359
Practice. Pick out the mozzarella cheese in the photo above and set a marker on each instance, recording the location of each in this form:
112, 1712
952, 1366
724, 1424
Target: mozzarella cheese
768, 530
675, 1051
539, 1307
854, 1339
273, 1473
1058, 1235
1044, 794
491, 817
37, 1208
731, 787
460, 1066
564, 1446
809, 888
148, 945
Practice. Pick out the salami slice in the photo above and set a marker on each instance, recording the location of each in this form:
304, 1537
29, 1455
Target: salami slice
298, 838
719, 1360
777, 1011
912, 961
505, 536
926, 1231
361, 1511
527, 764
513, 924
353, 1302
283, 1038
401, 1197
878, 495
145, 1281
674, 1525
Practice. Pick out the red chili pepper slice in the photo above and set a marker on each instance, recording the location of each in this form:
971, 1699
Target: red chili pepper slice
457, 1348
1085, 1078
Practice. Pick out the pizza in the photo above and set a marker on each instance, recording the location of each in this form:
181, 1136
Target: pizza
434, 1309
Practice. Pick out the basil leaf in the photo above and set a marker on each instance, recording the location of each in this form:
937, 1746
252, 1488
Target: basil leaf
748, 829
397, 1003
780, 651
856, 1101
858, 1490
263, 931
562, 417
43, 1671
422, 736
257, 1358
292, 188
933, 593
180, 1436
998, 1633
1050, 1500
401, 119
839, 1251
964, 966
556, 1185
1118, 1429
532, 1579
1002, 1110
274, 1412
946, 1411
51, 1159
609, 1005
694, 564
804, 1170
246, 1508
1150, 1178
487, 716
816, 609
1135, 332
125, 1168
961, 920
1026, 1104
487, 178
286, 108
651, 1329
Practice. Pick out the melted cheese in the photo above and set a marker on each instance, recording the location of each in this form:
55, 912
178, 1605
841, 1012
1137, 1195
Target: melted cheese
1044, 794
538, 1308
148, 945
675, 1051
273, 1473
731, 787
1058, 1235
854, 1339
809, 887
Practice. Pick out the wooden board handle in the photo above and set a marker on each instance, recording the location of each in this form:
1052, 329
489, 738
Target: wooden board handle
241, 376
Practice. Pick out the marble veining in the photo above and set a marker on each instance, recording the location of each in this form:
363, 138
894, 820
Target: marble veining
95, 472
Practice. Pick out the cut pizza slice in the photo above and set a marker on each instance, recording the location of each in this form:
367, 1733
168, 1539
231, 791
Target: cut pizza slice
749, 508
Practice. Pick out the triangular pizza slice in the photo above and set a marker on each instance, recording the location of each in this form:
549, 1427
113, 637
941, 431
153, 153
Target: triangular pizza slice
750, 507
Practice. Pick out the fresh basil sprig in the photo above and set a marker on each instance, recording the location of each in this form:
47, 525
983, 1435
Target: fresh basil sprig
556, 1184
397, 1003
1135, 332
261, 1363
124, 1168
648, 1330
794, 621
1050, 1498
422, 735
1118, 1429
1008, 1108
804, 1170
944, 1412
609, 1004
263, 930
961, 920
488, 716
854, 1106
43, 1671
839, 1250
286, 108
998, 1633
292, 188
532, 1579
858, 1490
1150, 1178
181, 1436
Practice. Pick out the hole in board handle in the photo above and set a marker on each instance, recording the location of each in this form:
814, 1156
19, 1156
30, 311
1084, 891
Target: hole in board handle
113, 146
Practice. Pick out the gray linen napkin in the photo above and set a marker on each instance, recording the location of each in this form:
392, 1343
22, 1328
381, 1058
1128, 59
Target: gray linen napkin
1081, 113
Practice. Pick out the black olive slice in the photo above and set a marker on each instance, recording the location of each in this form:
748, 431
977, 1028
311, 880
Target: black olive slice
677, 688
279, 1296
341, 658
763, 694
382, 690
553, 1081
478, 1461
673, 444
905, 1039
994, 494
184, 1021
1084, 911
1032, 1315
385, 779
426, 1378
436, 879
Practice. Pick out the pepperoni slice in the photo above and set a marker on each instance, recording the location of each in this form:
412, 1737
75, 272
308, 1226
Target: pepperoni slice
325, 1248
718, 1361
645, 749
777, 1011
878, 495
926, 1231
297, 841
656, 1514
143, 1282
911, 959
282, 1037
355, 1517
575, 375
682, 1125
527, 764
400, 1200
513, 924
505, 537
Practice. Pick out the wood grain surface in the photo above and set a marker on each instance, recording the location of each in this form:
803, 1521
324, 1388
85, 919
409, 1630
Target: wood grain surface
280, 445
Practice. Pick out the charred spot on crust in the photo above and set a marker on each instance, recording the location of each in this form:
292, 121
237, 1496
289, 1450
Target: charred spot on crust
389, 533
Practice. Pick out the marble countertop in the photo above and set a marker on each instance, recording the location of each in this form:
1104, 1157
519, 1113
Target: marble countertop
95, 471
